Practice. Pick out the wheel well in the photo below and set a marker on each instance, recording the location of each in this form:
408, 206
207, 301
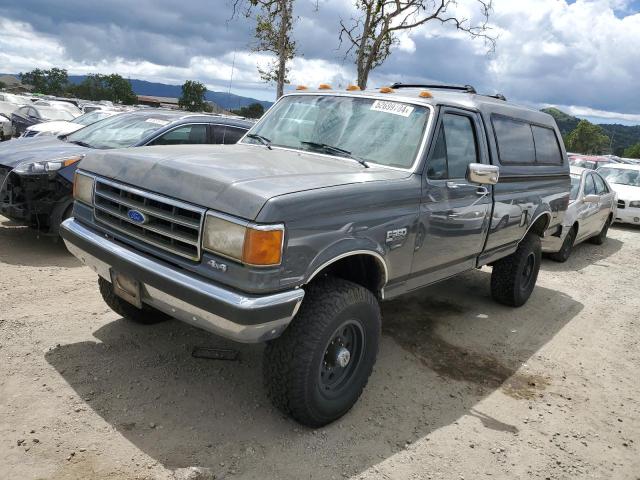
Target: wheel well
576, 225
540, 225
363, 269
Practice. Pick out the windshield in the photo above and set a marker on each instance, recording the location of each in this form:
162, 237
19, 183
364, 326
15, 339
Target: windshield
383, 132
118, 131
577, 162
575, 186
92, 117
50, 113
621, 176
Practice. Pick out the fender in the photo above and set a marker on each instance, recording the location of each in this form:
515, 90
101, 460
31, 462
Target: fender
533, 222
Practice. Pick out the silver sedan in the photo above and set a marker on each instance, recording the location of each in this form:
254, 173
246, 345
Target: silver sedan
591, 211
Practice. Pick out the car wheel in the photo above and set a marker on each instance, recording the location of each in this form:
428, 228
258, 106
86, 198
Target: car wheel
602, 236
564, 253
316, 371
146, 315
514, 277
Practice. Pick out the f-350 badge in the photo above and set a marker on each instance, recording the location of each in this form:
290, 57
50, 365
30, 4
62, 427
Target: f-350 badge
396, 235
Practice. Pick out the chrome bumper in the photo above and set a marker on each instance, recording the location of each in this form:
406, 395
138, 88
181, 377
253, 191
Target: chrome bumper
190, 298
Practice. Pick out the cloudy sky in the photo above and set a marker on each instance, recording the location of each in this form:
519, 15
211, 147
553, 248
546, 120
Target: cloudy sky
580, 55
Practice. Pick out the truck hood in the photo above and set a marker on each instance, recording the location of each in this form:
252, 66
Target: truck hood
627, 193
234, 179
36, 149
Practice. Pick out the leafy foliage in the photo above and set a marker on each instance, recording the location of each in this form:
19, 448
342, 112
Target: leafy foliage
192, 97
2, 85
372, 35
255, 110
54, 81
587, 138
633, 151
104, 87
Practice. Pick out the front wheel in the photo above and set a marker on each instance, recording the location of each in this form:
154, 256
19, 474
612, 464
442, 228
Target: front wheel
514, 277
602, 236
567, 247
316, 371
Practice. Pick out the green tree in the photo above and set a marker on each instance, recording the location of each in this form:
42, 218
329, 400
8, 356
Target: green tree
192, 97
255, 110
632, 152
54, 81
587, 138
105, 87
2, 85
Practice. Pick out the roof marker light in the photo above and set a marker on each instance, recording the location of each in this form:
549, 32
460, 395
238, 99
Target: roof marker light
386, 90
425, 94
353, 88
301, 87
324, 86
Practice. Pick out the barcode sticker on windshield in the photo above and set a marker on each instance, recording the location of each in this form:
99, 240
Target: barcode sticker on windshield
396, 108
156, 121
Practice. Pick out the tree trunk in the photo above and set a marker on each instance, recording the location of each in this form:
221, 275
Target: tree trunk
282, 47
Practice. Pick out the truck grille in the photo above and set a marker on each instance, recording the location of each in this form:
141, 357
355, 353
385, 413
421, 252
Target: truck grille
165, 223
621, 204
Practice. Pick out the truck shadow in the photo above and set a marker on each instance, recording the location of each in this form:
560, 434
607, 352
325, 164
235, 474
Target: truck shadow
444, 349
25, 246
584, 255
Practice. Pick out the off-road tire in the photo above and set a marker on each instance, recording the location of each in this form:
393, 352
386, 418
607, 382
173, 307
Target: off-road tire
564, 253
146, 315
508, 283
293, 362
602, 236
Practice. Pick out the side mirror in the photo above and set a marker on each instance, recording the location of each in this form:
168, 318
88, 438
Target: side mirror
591, 198
483, 174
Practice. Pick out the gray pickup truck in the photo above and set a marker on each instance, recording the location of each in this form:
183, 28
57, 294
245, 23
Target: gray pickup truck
331, 203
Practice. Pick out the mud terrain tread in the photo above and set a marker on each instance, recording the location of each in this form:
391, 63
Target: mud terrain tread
146, 316
505, 287
286, 359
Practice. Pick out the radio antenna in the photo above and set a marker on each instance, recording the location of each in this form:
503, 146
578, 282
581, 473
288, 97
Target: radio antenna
233, 66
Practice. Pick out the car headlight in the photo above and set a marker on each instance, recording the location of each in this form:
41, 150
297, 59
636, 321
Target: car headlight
83, 188
258, 245
46, 167
635, 204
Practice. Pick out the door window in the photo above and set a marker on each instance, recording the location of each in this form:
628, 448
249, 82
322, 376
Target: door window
455, 148
515, 141
589, 186
185, 135
227, 135
601, 187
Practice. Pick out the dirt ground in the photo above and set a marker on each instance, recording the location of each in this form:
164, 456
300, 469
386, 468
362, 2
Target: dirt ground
463, 387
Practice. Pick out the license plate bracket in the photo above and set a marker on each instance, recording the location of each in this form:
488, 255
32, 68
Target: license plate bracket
127, 288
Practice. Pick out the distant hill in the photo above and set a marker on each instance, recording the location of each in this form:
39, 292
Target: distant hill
622, 136
228, 101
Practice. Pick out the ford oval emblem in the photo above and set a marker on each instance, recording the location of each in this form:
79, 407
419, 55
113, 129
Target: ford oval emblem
137, 216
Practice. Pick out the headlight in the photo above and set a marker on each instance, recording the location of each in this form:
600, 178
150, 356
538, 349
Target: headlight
45, 167
83, 188
259, 245
635, 204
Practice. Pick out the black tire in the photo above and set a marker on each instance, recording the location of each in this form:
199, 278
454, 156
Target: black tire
564, 253
602, 236
146, 315
514, 277
302, 374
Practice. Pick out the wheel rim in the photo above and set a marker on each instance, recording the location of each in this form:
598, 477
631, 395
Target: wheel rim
528, 270
341, 359
568, 243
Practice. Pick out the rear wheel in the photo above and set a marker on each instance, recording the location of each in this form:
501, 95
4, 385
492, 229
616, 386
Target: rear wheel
316, 371
146, 315
602, 236
567, 247
514, 277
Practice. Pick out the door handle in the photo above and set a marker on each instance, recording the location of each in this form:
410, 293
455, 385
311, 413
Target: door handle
456, 185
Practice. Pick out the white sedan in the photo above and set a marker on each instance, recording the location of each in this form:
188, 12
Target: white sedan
592, 209
62, 127
625, 180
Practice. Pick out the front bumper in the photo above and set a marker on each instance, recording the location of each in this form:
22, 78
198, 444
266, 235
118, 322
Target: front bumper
552, 240
628, 215
190, 298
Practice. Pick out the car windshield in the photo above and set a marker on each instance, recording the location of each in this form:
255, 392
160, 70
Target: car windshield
575, 186
118, 131
382, 132
578, 162
621, 176
50, 113
92, 117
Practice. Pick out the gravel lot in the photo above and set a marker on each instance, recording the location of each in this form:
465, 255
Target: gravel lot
463, 387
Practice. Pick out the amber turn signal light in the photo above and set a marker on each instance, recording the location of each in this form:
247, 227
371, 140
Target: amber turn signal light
262, 247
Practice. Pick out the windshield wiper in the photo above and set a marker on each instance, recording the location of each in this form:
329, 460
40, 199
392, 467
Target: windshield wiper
82, 144
264, 140
337, 150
